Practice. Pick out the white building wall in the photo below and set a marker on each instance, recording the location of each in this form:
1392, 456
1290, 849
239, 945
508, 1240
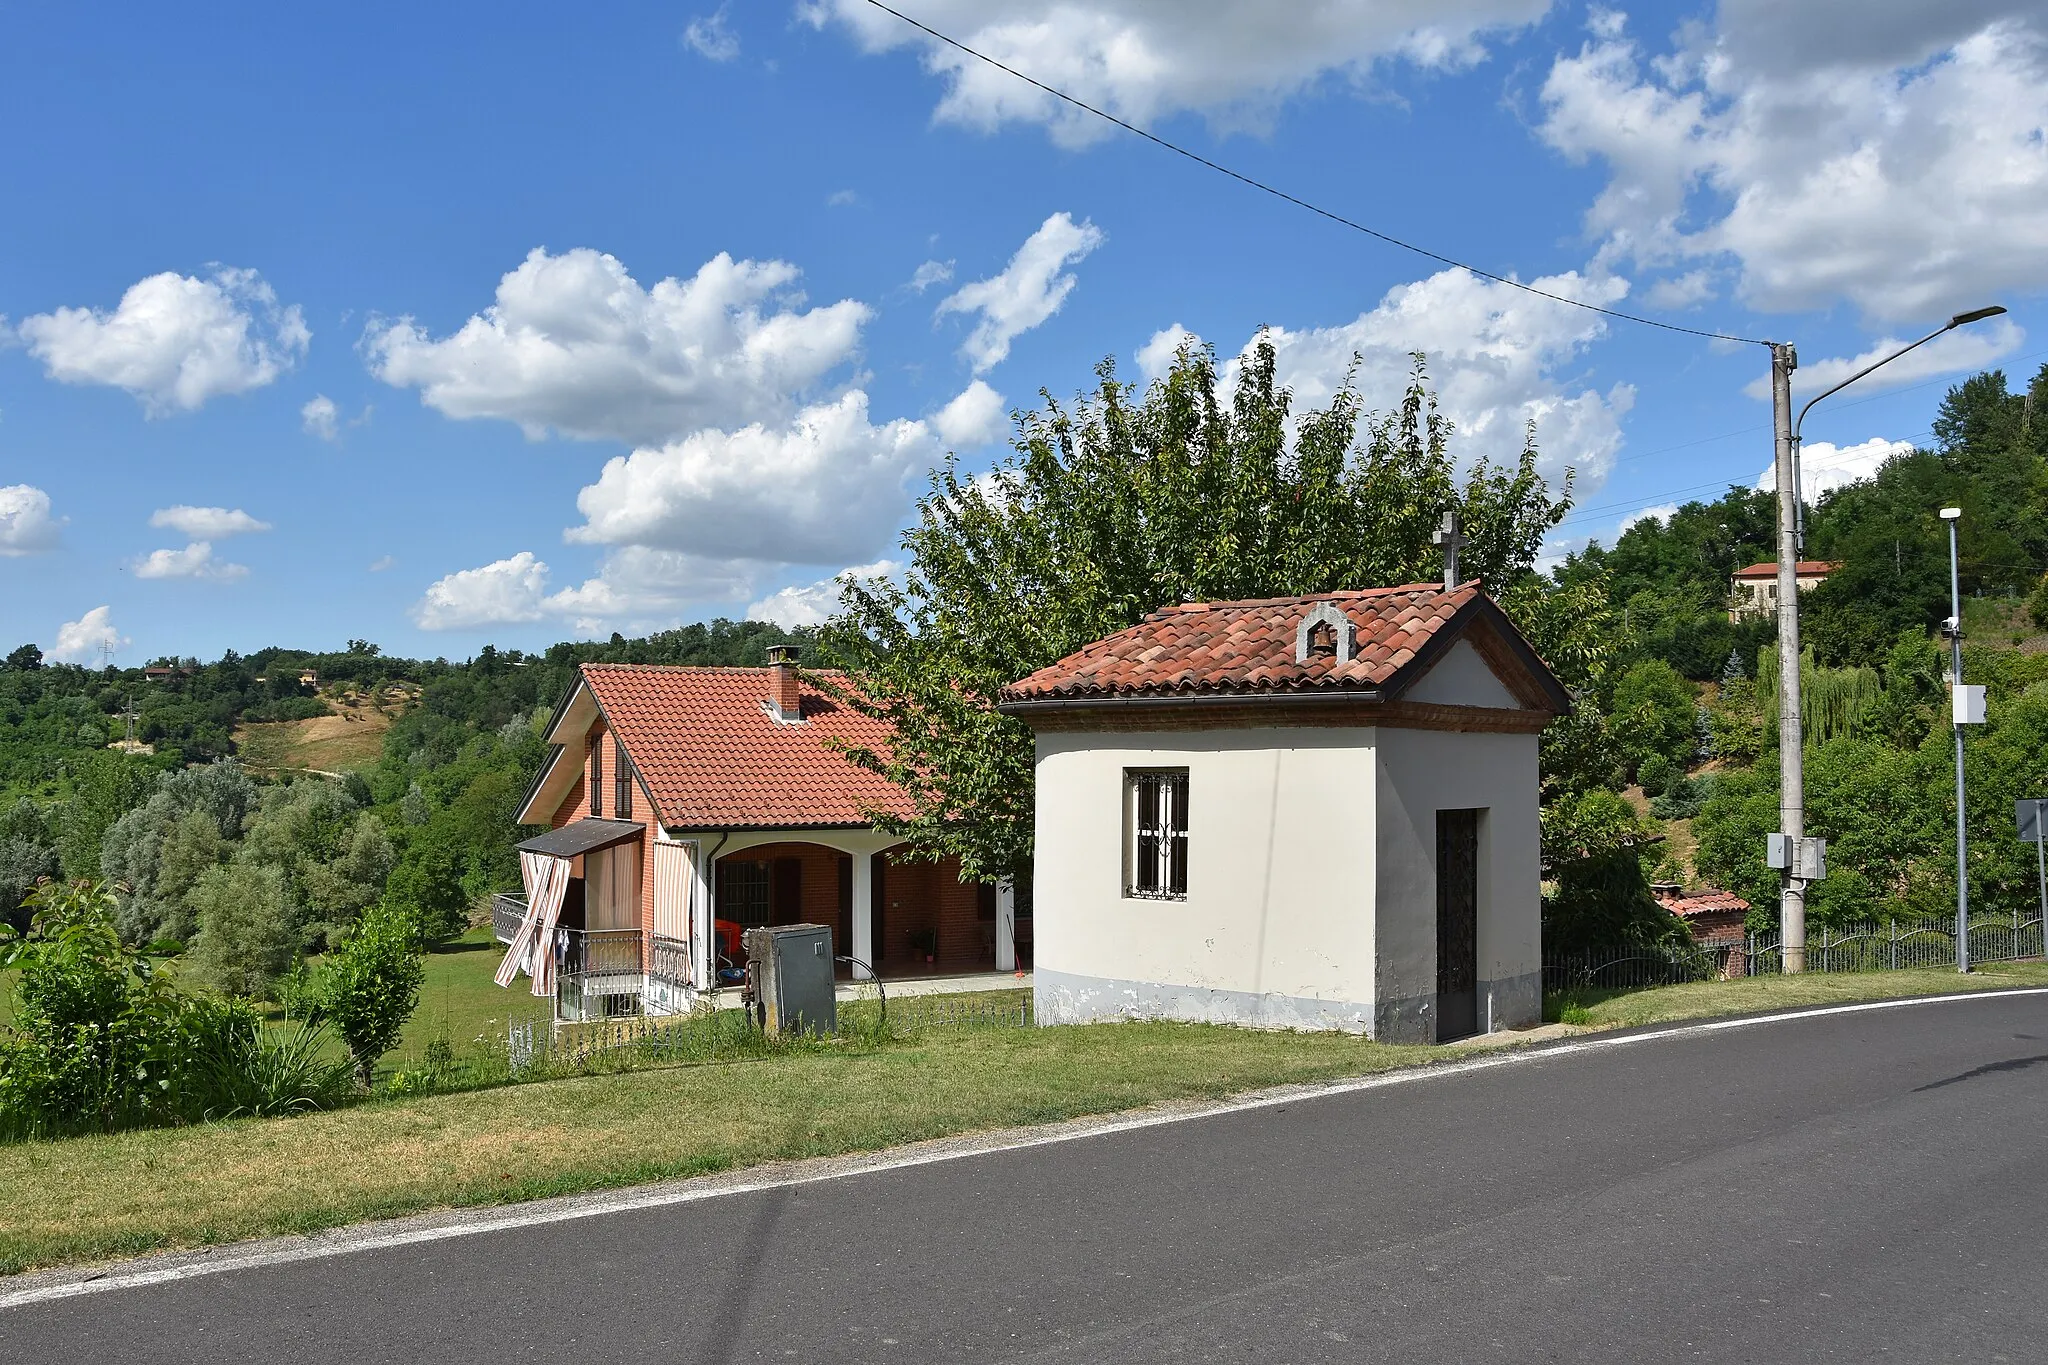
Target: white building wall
1420, 772
1277, 927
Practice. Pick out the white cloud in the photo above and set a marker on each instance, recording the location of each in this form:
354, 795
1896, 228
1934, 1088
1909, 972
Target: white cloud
1967, 348
649, 589
1028, 291
194, 561
321, 418
974, 417
1661, 513
840, 199
82, 640
1144, 60
1156, 357
206, 523
812, 604
1891, 154
26, 526
382, 562
507, 592
174, 341
1494, 356
822, 489
710, 36
931, 273
1824, 466
574, 344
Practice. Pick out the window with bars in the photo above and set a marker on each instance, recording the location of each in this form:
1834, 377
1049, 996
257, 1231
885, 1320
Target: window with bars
622, 782
1156, 839
596, 776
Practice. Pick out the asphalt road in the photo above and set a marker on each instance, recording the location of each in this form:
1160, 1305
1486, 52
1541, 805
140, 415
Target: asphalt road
1847, 1187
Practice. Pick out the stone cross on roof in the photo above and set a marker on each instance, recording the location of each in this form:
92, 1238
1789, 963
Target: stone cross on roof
1450, 539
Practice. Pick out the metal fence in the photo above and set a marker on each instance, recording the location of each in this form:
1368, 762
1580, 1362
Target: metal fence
1896, 944
715, 1035
1889, 945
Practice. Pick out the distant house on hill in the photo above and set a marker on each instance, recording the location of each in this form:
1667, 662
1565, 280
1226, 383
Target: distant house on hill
1302, 812
683, 806
1754, 591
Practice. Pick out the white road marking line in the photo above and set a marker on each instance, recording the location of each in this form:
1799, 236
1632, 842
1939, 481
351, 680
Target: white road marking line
345, 1242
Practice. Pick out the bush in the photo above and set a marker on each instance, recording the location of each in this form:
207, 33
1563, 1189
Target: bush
2037, 604
372, 985
1683, 799
1655, 775
1653, 714
240, 1070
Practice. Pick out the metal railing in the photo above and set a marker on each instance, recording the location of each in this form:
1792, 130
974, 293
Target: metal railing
1897, 944
602, 952
1890, 945
507, 910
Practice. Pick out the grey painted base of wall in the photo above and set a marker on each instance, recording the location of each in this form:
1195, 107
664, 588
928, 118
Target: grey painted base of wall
1505, 1003
1066, 998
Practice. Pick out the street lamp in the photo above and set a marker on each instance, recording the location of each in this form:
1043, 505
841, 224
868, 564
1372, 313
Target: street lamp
1795, 859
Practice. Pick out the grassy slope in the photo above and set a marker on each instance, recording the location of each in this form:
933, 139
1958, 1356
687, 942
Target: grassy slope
348, 739
92, 1198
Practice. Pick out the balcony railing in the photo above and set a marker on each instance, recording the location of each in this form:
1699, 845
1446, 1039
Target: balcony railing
602, 952
507, 910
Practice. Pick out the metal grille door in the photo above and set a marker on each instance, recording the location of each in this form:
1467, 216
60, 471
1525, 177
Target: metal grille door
1457, 924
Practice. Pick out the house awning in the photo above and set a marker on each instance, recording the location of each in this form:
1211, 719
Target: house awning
583, 836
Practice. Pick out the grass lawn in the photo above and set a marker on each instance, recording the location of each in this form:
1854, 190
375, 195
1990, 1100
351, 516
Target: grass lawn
461, 1003
92, 1198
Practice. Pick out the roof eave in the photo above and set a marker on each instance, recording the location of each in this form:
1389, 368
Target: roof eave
1031, 705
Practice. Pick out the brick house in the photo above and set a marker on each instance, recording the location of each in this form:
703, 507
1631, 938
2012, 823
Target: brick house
1718, 921
685, 805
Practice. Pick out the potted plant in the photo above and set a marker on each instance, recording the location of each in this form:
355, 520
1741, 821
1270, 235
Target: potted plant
924, 943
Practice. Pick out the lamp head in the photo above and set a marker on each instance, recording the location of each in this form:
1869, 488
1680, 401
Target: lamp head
1951, 514
1975, 315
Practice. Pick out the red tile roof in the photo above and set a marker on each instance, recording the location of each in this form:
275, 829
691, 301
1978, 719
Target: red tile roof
712, 757
1705, 902
1249, 647
1807, 568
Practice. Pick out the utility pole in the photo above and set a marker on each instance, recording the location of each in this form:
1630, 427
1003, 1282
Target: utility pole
1798, 858
1960, 711
1791, 767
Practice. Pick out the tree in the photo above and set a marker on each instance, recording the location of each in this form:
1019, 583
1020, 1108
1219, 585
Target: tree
1653, 714
104, 787
246, 934
159, 849
28, 854
1594, 845
1121, 506
25, 658
372, 985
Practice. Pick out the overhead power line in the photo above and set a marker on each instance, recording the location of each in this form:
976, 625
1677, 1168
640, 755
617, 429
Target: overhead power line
1296, 200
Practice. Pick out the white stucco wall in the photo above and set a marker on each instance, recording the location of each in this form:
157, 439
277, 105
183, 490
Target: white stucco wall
1277, 926
1418, 773
1311, 879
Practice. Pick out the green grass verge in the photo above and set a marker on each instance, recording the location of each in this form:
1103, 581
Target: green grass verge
86, 1199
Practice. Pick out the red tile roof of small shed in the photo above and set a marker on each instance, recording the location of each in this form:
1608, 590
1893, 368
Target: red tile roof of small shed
1248, 647
713, 758
1705, 902
1806, 568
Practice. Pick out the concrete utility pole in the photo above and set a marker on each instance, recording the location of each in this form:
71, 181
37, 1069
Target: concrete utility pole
1791, 758
1798, 858
1959, 712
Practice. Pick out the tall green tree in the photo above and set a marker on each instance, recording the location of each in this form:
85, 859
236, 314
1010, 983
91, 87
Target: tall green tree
1120, 505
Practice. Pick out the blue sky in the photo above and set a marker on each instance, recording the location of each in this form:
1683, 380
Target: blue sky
755, 268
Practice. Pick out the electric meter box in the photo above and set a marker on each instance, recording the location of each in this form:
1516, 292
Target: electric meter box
791, 967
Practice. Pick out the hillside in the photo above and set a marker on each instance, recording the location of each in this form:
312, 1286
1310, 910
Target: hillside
349, 738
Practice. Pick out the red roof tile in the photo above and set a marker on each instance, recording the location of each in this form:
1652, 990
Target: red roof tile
712, 757
1705, 902
1249, 647
1807, 568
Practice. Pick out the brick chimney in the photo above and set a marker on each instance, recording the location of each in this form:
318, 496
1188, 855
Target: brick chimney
785, 698
1666, 892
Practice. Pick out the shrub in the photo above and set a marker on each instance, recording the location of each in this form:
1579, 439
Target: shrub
99, 1036
1653, 713
1683, 799
2037, 604
373, 984
245, 928
1655, 775
242, 1070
